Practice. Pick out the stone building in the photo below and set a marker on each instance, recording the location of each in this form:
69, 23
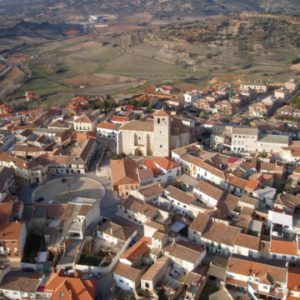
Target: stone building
157, 136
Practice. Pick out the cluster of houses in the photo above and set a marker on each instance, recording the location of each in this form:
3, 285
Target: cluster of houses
214, 203
200, 201
33, 270
252, 99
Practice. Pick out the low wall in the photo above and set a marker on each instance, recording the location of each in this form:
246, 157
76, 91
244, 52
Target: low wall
111, 266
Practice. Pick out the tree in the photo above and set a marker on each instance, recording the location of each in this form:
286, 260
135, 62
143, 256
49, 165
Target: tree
296, 101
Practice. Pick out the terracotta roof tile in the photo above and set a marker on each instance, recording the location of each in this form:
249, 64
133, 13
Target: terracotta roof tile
249, 267
200, 222
74, 285
293, 281
139, 249
210, 190
283, 247
184, 250
119, 119
107, 125
124, 172
126, 271
221, 233
180, 195
248, 241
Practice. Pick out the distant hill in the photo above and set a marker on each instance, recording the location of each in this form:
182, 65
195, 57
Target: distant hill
158, 8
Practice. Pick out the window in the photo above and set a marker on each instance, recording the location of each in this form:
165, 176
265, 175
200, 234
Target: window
147, 285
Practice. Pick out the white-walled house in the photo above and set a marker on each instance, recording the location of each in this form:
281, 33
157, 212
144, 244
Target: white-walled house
220, 238
108, 130
280, 217
180, 201
247, 245
115, 233
136, 211
148, 193
293, 282
126, 277
283, 249
192, 96
197, 228
256, 277
17, 285
185, 256
84, 123
164, 169
207, 193
154, 274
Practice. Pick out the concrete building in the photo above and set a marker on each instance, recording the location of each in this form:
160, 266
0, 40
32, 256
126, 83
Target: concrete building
244, 139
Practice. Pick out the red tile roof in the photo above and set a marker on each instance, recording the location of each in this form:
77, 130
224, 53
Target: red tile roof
137, 250
166, 163
107, 125
73, 287
284, 247
119, 119
293, 281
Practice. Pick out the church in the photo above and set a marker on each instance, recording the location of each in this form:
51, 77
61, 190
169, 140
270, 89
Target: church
152, 137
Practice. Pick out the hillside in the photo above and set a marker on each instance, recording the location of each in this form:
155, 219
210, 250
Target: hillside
250, 43
246, 46
55, 9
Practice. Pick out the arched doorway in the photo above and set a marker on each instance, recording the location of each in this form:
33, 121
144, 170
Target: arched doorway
138, 152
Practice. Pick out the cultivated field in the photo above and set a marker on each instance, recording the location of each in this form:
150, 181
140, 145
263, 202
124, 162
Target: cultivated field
198, 52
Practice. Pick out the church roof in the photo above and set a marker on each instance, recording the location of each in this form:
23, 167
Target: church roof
177, 127
139, 125
161, 113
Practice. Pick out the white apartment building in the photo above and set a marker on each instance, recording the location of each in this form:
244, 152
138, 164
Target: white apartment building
192, 96
244, 139
258, 88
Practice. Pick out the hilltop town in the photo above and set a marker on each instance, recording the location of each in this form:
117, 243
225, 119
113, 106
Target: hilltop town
169, 192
